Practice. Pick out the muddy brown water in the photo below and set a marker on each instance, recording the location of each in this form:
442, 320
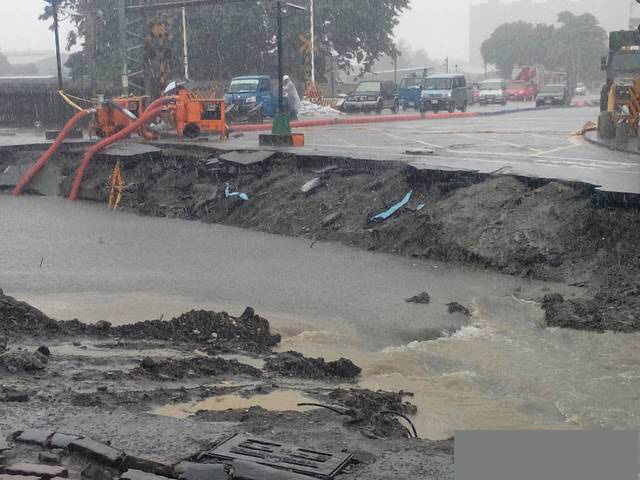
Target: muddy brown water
501, 371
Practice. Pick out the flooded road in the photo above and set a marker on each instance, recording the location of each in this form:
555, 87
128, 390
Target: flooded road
501, 370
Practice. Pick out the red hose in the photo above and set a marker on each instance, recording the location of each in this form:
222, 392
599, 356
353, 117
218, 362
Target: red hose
323, 122
132, 127
42, 161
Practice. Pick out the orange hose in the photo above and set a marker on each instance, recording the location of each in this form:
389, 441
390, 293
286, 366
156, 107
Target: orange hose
132, 127
42, 161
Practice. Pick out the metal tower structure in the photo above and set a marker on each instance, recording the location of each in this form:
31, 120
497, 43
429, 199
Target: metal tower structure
135, 31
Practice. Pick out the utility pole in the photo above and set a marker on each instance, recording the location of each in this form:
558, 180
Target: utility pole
55, 4
122, 20
185, 46
280, 84
313, 46
446, 64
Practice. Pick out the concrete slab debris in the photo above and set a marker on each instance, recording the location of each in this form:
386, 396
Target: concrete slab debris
4, 445
133, 474
247, 158
38, 436
44, 472
62, 440
128, 150
97, 451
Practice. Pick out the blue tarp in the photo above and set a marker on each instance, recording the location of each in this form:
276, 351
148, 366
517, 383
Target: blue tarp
386, 214
229, 193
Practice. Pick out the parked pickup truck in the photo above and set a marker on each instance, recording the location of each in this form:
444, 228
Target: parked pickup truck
250, 99
372, 96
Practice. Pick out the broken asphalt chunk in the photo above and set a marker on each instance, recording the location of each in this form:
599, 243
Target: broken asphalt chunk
45, 472
97, 451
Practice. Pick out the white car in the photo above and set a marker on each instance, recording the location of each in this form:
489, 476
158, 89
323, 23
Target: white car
493, 91
581, 89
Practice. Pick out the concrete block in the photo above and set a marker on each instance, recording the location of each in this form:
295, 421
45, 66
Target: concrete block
133, 474
205, 471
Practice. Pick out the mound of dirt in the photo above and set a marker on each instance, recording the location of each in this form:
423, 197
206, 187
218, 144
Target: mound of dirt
616, 313
19, 318
249, 330
294, 364
196, 367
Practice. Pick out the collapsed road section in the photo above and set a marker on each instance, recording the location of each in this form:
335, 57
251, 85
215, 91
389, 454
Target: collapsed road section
534, 228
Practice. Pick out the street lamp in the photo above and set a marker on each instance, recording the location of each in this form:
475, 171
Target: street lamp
55, 4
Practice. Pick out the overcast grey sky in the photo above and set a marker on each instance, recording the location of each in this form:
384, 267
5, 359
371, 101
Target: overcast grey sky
438, 26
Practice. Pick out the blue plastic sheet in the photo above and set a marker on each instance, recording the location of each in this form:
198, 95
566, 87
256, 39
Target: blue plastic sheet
229, 193
386, 214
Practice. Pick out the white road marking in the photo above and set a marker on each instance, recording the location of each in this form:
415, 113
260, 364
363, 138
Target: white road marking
493, 140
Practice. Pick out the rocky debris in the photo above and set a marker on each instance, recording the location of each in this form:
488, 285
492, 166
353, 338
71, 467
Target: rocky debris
22, 361
44, 350
614, 311
455, 307
249, 330
294, 364
195, 367
49, 458
14, 396
44, 472
102, 325
95, 472
422, 298
311, 185
331, 219
366, 410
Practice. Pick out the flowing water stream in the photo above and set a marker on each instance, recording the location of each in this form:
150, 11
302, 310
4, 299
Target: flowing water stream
501, 370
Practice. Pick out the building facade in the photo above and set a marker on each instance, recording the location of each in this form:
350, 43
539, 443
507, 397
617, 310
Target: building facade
485, 17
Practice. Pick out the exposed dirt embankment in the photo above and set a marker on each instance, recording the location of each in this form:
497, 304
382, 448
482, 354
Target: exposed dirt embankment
532, 228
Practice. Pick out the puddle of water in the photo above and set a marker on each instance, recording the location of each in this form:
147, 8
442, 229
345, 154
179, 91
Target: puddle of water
279, 400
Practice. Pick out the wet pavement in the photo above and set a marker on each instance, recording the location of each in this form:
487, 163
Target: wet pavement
536, 144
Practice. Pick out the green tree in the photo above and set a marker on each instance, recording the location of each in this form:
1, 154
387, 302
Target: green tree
239, 38
577, 46
517, 43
